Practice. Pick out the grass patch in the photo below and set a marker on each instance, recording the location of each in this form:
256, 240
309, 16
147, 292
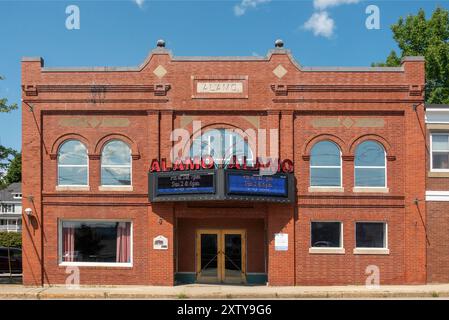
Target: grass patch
182, 296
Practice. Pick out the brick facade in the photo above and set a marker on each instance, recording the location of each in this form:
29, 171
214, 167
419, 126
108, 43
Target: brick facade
437, 218
142, 106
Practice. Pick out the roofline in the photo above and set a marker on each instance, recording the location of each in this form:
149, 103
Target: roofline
271, 52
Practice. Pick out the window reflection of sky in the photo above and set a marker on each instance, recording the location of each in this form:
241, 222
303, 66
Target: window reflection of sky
222, 145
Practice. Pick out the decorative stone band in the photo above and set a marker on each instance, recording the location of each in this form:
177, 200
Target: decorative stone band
284, 90
159, 89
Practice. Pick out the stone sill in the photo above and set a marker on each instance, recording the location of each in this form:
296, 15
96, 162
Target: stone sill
117, 188
326, 189
438, 174
325, 250
72, 188
97, 264
370, 190
379, 251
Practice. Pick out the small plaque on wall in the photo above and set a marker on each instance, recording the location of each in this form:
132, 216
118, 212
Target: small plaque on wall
281, 241
160, 243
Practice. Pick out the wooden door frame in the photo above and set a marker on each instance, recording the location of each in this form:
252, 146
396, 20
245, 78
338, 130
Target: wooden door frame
220, 252
242, 233
199, 232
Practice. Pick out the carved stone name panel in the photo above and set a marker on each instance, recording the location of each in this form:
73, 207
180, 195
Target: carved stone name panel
219, 87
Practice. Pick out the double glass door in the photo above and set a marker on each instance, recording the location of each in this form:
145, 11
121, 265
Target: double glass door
221, 256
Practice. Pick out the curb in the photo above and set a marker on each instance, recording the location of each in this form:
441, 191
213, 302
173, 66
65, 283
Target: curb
102, 295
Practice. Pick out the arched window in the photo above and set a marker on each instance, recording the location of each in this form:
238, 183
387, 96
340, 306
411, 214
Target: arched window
222, 145
72, 164
325, 165
370, 165
116, 164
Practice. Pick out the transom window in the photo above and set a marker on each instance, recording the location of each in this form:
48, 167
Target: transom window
326, 234
439, 144
222, 145
325, 165
72, 164
370, 165
116, 164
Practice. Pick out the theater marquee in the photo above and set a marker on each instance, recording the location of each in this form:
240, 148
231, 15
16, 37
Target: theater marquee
198, 181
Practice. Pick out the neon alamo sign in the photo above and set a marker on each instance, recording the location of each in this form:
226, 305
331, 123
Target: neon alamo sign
205, 163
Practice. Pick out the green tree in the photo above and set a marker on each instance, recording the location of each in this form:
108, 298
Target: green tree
11, 239
392, 61
7, 156
7, 153
417, 36
4, 106
14, 173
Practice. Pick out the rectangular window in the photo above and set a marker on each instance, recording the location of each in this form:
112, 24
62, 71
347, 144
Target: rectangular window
326, 234
439, 144
115, 175
370, 177
71, 175
371, 235
96, 242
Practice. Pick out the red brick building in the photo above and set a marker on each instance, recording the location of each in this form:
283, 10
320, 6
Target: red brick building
351, 208
437, 193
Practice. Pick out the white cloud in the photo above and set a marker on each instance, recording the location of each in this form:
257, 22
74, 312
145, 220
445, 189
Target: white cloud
139, 3
324, 4
320, 24
240, 9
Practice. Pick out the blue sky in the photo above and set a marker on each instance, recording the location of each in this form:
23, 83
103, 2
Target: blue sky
122, 32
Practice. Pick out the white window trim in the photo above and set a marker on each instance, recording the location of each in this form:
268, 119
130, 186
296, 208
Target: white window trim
95, 264
432, 150
73, 166
370, 250
327, 250
130, 166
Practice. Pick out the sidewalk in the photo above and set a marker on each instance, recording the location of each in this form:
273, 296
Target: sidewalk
203, 291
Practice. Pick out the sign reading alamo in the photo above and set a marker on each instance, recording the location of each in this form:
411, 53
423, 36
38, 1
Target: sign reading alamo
219, 87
